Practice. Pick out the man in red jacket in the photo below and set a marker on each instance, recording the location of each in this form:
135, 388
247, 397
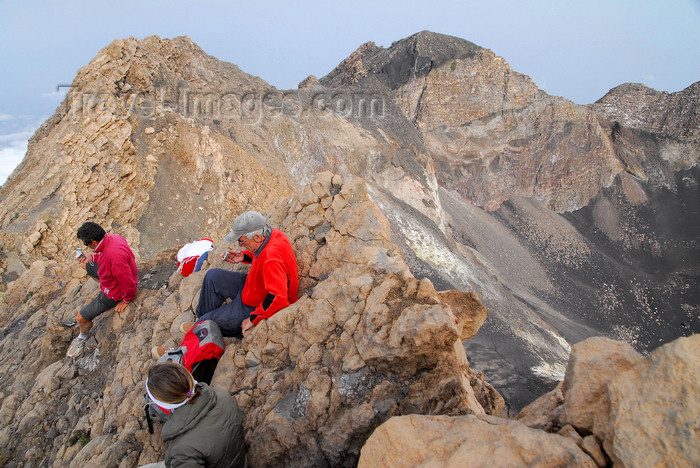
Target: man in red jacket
113, 264
271, 284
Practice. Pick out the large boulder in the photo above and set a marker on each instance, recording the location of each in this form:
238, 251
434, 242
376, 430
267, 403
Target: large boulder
594, 363
654, 409
640, 410
467, 441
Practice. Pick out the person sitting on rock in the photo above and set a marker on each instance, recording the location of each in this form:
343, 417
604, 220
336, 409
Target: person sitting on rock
113, 264
205, 426
270, 285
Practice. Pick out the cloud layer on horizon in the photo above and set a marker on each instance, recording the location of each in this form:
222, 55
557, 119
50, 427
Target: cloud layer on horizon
13, 148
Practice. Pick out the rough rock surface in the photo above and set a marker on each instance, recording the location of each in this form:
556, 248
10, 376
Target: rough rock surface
368, 341
365, 341
472, 165
492, 132
467, 441
615, 407
631, 409
116, 151
593, 363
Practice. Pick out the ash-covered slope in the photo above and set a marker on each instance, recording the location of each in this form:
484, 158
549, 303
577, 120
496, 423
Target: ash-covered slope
591, 212
493, 136
541, 206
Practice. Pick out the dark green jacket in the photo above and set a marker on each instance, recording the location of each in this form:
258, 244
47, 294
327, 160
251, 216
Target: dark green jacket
206, 432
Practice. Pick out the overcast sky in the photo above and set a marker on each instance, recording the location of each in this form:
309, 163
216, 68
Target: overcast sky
575, 49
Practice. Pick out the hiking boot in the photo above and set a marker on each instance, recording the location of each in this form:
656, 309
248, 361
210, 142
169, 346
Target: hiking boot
158, 351
187, 326
76, 348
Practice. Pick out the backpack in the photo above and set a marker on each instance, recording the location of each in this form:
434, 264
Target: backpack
199, 352
191, 256
153, 411
203, 342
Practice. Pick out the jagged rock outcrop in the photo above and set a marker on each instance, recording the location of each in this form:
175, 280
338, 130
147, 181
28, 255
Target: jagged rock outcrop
365, 341
491, 131
654, 134
118, 151
155, 128
615, 407
473, 166
368, 342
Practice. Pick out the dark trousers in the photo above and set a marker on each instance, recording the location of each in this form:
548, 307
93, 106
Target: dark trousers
219, 285
101, 303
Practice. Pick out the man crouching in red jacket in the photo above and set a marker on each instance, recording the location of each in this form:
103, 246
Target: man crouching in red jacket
271, 284
113, 264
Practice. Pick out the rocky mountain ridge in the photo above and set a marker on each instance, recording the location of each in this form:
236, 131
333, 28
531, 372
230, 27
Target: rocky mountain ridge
567, 221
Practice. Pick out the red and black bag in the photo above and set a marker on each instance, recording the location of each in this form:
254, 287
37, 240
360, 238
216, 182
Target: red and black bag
199, 351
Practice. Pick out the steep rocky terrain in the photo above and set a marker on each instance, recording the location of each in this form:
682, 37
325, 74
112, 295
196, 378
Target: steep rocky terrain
615, 407
365, 341
567, 221
590, 219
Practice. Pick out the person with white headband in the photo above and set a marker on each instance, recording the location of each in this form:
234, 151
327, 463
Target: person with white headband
205, 427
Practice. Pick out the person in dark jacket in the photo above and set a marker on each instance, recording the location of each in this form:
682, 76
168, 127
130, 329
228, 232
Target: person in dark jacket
205, 425
113, 264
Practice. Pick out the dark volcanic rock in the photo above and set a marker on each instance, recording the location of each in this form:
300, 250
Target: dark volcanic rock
405, 60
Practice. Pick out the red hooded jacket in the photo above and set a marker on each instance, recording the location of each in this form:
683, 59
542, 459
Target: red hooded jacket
116, 267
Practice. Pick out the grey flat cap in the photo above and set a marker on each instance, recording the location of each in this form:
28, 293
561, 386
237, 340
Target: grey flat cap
247, 222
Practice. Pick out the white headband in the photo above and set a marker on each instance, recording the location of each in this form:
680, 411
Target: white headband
170, 406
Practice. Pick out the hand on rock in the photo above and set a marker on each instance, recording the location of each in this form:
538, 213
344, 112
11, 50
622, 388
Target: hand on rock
245, 326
